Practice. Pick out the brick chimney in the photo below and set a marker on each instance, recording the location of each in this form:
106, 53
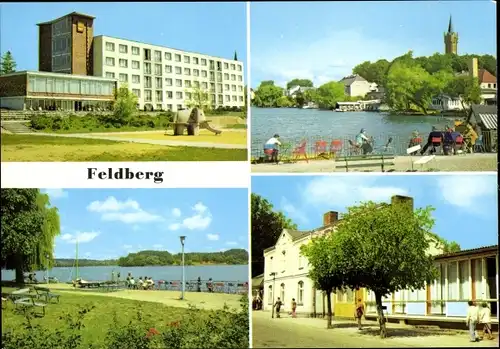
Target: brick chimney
401, 199
473, 68
330, 217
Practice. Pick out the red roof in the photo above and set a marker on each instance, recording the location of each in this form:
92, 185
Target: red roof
486, 77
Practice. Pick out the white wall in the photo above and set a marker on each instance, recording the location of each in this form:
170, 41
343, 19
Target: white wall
360, 88
14, 103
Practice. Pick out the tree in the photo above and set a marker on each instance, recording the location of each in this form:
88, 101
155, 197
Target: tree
7, 64
267, 225
235, 55
300, 99
125, 104
284, 102
299, 82
199, 98
267, 95
327, 95
380, 247
466, 88
373, 72
29, 226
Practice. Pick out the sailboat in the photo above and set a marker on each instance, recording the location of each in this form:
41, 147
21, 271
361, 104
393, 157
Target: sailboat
75, 266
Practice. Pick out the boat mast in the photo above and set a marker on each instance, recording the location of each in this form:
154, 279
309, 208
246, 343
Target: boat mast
76, 259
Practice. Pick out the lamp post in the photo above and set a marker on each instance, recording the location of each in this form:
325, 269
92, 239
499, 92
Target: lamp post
183, 238
273, 274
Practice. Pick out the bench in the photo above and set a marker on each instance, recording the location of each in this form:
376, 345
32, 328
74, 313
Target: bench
44, 292
366, 161
22, 298
422, 161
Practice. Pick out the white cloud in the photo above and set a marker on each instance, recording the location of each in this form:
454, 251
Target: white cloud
199, 221
213, 237
466, 191
128, 212
328, 57
56, 193
231, 243
346, 191
174, 226
291, 211
127, 247
81, 237
176, 212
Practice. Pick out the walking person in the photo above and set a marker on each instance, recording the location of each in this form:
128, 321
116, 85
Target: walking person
485, 320
294, 308
471, 320
359, 312
278, 306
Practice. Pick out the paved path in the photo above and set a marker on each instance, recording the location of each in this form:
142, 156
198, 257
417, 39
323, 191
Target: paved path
312, 333
465, 163
144, 141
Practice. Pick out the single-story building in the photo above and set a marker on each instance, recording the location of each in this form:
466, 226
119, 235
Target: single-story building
485, 116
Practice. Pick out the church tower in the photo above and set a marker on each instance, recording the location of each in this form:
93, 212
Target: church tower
450, 40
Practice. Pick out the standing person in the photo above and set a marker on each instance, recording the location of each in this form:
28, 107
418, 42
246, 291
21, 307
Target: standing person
198, 284
271, 146
113, 276
359, 312
294, 308
278, 306
471, 320
485, 319
118, 276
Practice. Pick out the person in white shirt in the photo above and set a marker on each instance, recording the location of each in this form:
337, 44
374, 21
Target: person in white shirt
471, 320
485, 319
271, 147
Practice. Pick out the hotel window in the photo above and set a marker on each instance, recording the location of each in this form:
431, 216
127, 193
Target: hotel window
203, 61
219, 77
168, 82
233, 88
228, 98
464, 291
158, 69
187, 83
187, 71
188, 95
301, 261
179, 107
196, 84
204, 85
232, 67
270, 295
110, 46
137, 92
187, 59
147, 55
147, 68
110, 75
196, 72
157, 56
239, 68
169, 106
178, 95
123, 63
240, 78
123, 48
168, 56
147, 82
226, 87
212, 76
136, 65
233, 77
168, 94
219, 66
59, 86
241, 98
196, 60
110, 61
123, 77
168, 69
203, 73
300, 292
159, 96
211, 65
158, 82
177, 57
178, 70
282, 293
219, 88
147, 95
240, 88
234, 98
50, 85
212, 87
452, 281
135, 50
226, 65
178, 82
226, 76
220, 99
136, 79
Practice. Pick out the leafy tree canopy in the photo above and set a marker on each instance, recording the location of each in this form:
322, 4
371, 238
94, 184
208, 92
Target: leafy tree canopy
7, 63
299, 82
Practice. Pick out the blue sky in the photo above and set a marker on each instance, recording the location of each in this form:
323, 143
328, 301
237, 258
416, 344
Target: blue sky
197, 27
112, 223
323, 41
466, 205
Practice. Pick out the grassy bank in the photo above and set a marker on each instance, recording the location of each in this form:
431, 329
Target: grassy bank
92, 321
46, 148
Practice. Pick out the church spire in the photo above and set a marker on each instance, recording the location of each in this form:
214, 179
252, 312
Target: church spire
450, 26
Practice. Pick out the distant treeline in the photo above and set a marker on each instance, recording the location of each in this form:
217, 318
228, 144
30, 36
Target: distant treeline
147, 258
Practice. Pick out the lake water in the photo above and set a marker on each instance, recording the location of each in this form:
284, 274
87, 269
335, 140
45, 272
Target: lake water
234, 273
294, 124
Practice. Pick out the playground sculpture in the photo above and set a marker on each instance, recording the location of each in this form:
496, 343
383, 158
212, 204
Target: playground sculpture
191, 119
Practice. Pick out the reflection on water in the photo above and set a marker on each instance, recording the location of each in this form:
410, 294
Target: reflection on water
311, 124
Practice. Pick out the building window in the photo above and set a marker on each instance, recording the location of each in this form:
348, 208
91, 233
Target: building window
489, 85
178, 70
123, 77
240, 68
136, 65
220, 99
233, 88
212, 87
123, 48
178, 82
464, 291
282, 292
226, 65
110, 75
196, 60
240, 78
240, 88
477, 267
204, 85
196, 84
135, 50
110, 46
123, 63
226, 76
188, 95
219, 77
211, 65
168, 69
169, 106
158, 82
187, 71
147, 82
270, 295
159, 96
187, 59
157, 56
187, 83
169, 94
233, 77
452, 281
147, 95
227, 98
196, 72
301, 261
232, 66
159, 107
168, 82
177, 57
226, 87
241, 98
203, 73
147, 68
136, 92
136, 79
203, 61
168, 56
219, 88
219, 66
300, 293
110, 61
147, 55
235, 98
178, 95
158, 69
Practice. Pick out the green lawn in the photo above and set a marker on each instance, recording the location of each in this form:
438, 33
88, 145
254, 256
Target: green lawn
46, 149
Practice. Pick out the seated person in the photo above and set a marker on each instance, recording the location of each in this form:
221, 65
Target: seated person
433, 134
363, 142
140, 283
271, 147
132, 282
151, 283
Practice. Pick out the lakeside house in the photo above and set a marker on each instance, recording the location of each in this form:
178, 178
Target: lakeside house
294, 90
445, 102
465, 275
357, 86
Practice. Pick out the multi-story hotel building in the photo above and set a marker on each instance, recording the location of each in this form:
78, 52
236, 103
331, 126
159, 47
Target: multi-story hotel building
162, 78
